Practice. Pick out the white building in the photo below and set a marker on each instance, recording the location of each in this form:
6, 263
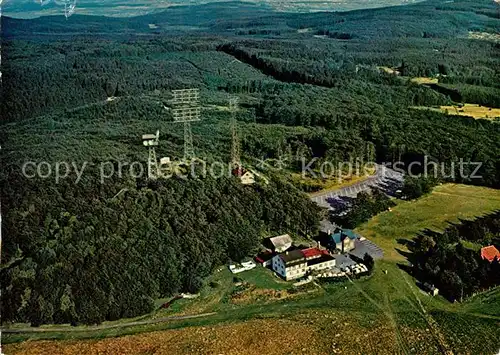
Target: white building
297, 263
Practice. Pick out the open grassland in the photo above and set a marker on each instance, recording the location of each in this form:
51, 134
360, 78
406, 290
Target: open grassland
384, 313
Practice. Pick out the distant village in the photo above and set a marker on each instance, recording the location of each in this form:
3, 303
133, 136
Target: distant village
337, 253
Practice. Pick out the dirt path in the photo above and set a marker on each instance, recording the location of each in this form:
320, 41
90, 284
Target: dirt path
104, 327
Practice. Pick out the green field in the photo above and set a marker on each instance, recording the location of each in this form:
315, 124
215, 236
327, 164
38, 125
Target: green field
417, 322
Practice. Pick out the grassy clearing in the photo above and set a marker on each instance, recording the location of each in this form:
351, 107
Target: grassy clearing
484, 36
384, 313
424, 80
469, 110
448, 203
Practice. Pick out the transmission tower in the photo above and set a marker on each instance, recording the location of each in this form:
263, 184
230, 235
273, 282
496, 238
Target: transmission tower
235, 142
69, 8
151, 141
187, 109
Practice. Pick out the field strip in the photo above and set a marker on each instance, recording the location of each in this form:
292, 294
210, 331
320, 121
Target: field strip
388, 313
433, 325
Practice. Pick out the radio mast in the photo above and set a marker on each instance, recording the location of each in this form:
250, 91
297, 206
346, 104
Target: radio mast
186, 110
151, 141
235, 142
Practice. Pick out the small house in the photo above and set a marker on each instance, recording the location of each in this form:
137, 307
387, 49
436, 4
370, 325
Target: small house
343, 240
490, 253
246, 176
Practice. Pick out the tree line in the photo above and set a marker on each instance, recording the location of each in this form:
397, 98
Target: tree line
448, 260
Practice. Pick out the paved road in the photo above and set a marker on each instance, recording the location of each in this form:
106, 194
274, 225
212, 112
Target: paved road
103, 327
385, 179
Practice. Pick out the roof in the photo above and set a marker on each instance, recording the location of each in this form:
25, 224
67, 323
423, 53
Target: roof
293, 257
323, 259
281, 241
313, 253
264, 256
490, 253
345, 233
325, 226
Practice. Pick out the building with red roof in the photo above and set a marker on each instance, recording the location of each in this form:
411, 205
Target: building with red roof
313, 253
490, 253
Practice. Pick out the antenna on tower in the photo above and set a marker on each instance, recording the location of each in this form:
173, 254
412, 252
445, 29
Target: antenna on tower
69, 8
151, 141
187, 109
235, 142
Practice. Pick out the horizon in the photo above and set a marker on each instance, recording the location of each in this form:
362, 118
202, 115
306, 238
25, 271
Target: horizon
30, 9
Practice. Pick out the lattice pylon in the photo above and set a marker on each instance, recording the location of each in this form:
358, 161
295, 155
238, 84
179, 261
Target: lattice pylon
153, 168
186, 110
188, 142
235, 142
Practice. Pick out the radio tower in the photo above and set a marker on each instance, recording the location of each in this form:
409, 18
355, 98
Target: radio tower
235, 145
151, 141
186, 110
69, 8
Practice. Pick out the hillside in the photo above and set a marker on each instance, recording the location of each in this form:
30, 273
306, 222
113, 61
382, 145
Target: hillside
93, 239
386, 313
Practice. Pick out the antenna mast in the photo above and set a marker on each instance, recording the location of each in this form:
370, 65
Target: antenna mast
151, 141
235, 145
186, 110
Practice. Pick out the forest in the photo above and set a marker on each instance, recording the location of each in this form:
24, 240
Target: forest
83, 254
452, 260
85, 90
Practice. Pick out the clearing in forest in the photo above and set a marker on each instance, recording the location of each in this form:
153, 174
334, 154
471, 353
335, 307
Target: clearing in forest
469, 110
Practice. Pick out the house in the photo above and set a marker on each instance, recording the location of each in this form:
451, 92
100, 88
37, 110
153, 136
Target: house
490, 253
246, 176
281, 243
297, 263
343, 240
265, 258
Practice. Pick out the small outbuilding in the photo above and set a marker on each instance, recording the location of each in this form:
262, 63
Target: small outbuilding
490, 253
281, 243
